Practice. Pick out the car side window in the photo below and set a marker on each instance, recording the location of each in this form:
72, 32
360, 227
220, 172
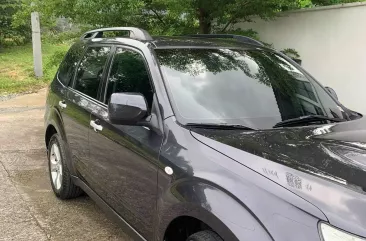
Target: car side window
90, 71
68, 66
129, 74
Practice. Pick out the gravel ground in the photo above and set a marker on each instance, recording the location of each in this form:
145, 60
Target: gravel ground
28, 208
7, 97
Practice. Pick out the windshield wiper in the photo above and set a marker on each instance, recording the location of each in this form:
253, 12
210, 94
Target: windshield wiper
219, 126
306, 119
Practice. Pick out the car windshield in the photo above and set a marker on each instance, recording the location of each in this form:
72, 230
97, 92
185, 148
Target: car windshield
255, 88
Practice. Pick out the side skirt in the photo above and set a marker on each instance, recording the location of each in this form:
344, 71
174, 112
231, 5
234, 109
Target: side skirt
107, 209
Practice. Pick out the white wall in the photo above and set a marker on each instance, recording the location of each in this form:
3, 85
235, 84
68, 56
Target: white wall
332, 45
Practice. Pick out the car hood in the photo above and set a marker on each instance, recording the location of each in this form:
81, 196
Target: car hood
325, 165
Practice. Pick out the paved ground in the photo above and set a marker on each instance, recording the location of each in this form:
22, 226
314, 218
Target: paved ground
28, 208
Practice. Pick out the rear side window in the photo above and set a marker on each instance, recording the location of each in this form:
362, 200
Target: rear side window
129, 74
69, 64
90, 71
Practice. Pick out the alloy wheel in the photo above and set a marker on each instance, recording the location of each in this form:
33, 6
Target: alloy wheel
56, 166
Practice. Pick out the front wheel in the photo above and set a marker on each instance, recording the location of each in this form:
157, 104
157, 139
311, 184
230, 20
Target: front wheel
60, 177
206, 235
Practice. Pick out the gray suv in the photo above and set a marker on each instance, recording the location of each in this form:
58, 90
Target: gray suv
205, 137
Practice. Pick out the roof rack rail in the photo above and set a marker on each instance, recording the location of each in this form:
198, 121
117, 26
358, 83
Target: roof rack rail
239, 38
135, 33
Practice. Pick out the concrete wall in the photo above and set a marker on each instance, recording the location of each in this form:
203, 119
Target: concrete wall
332, 45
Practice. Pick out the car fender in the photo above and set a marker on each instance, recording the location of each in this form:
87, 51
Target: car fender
54, 119
204, 201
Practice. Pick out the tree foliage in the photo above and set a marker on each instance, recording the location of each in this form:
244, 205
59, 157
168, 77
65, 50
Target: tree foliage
161, 16
8, 33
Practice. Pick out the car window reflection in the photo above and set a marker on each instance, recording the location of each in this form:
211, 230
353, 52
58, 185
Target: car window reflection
255, 88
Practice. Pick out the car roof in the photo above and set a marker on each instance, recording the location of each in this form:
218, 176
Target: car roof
165, 42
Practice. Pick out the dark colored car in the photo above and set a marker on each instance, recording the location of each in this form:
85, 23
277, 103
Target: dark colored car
205, 137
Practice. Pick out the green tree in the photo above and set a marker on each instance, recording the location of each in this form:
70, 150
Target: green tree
162, 16
8, 33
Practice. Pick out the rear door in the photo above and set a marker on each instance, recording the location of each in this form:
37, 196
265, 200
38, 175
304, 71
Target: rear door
80, 100
64, 76
123, 159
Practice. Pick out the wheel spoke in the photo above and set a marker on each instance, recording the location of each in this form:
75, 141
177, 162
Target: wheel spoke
60, 168
60, 179
54, 176
57, 181
57, 152
52, 149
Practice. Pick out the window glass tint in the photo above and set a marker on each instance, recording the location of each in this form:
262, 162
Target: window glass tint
68, 65
90, 71
129, 74
254, 88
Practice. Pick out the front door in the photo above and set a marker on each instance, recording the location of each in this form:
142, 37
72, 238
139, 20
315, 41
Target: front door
81, 99
123, 159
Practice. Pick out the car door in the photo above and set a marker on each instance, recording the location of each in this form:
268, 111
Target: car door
80, 101
59, 88
123, 159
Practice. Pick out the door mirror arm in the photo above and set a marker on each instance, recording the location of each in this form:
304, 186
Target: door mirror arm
151, 122
154, 121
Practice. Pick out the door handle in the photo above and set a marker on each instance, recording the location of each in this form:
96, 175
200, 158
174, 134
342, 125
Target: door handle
62, 104
96, 126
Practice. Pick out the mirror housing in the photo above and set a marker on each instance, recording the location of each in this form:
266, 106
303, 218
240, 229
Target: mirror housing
127, 108
332, 92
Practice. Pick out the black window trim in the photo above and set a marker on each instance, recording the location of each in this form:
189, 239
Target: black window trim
58, 79
105, 82
85, 96
72, 83
103, 85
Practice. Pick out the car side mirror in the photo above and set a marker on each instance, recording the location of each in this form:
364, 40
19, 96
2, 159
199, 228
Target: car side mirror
127, 108
332, 92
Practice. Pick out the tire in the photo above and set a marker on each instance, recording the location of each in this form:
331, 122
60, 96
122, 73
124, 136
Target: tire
206, 235
60, 176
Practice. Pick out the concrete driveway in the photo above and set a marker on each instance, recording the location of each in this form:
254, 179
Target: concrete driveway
28, 208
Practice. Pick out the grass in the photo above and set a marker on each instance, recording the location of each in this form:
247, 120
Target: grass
16, 68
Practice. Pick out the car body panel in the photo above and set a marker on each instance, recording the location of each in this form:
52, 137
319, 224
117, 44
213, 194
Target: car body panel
76, 118
279, 155
269, 204
123, 169
53, 115
123, 162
